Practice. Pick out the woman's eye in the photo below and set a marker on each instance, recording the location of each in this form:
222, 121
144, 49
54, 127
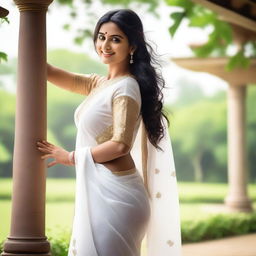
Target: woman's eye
116, 40
101, 37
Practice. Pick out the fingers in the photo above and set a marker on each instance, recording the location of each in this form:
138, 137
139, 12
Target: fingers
48, 144
52, 164
44, 145
47, 156
44, 150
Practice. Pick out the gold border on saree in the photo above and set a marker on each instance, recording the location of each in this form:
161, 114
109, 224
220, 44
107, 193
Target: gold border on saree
126, 172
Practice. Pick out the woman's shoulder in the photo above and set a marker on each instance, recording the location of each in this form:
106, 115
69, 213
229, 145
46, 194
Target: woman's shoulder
97, 77
129, 82
128, 86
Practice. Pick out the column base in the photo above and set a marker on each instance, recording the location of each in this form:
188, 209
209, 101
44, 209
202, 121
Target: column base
238, 204
23, 246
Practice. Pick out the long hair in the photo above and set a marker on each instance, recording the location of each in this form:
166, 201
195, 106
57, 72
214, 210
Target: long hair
150, 81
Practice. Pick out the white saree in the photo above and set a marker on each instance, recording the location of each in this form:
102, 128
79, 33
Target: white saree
116, 211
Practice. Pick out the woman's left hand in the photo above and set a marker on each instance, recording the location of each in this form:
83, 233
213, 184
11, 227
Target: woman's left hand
51, 151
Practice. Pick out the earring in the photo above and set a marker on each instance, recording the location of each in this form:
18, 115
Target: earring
131, 59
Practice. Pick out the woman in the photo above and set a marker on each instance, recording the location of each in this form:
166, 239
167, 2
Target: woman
126, 187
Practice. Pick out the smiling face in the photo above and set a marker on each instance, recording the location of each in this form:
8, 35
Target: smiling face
112, 45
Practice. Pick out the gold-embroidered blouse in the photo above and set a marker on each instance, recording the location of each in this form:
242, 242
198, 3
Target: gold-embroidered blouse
111, 110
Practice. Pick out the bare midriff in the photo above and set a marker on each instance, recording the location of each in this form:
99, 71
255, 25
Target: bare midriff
122, 163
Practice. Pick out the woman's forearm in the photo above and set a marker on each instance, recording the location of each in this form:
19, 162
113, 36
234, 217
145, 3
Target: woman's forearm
60, 77
81, 84
108, 151
49, 71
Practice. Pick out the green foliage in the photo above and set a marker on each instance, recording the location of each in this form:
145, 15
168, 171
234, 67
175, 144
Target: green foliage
218, 40
66, 2
198, 16
177, 17
4, 20
82, 34
59, 241
239, 60
194, 139
220, 37
215, 227
200, 225
3, 56
180, 3
218, 226
5, 156
86, 30
7, 120
204, 192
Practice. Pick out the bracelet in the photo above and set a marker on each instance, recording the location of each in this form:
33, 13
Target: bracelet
71, 157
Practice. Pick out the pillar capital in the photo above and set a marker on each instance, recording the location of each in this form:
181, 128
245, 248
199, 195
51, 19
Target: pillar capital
33, 5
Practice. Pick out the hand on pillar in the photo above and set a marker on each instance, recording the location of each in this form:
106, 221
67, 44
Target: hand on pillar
51, 151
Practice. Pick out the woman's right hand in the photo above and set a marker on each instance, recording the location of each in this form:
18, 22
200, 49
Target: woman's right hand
52, 151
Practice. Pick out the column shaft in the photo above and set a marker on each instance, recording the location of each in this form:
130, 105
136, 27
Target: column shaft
237, 198
27, 234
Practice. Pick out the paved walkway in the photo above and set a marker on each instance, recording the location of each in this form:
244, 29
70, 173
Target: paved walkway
244, 245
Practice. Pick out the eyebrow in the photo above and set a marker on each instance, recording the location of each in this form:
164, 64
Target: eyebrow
110, 35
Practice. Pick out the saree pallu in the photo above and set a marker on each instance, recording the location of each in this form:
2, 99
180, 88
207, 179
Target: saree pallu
111, 211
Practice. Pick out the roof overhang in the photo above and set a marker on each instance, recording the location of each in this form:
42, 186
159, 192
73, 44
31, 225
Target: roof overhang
3, 12
239, 12
216, 66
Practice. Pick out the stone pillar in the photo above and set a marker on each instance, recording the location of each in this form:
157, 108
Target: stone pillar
237, 198
27, 233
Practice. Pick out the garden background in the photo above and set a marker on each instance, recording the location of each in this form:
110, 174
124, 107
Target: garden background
197, 109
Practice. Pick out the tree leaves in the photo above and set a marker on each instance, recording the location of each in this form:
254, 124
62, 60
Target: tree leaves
177, 17
220, 37
239, 60
3, 56
4, 19
180, 3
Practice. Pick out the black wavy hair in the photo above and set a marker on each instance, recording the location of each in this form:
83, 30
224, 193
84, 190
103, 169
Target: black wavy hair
149, 79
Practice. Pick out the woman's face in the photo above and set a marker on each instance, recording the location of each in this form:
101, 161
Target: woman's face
112, 44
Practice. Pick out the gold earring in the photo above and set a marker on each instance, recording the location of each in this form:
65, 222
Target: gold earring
131, 59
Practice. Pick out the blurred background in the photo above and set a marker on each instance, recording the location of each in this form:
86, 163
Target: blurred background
196, 103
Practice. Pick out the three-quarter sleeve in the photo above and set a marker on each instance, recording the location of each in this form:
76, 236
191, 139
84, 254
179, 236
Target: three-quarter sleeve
126, 103
84, 84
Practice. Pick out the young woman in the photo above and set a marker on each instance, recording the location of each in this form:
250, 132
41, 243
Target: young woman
126, 187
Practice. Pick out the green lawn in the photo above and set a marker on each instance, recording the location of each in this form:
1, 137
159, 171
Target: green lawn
194, 197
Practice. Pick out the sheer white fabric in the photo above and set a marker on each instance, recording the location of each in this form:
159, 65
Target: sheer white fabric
163, 234
113, 213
